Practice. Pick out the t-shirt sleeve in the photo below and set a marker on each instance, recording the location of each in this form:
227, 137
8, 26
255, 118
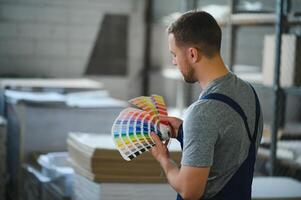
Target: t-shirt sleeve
200, 135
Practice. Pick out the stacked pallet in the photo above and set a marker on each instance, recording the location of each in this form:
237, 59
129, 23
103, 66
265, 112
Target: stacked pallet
94, 156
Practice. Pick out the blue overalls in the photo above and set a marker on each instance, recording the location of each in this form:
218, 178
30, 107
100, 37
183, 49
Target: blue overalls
239, 186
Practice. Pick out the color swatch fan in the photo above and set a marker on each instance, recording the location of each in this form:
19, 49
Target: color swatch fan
131, 129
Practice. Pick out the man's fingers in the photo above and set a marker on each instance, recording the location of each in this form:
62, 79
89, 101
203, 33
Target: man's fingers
159, 151
155, 137
166, 143
166, 121
165, 118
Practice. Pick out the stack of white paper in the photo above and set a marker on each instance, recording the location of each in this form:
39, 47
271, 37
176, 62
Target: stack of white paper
3, 176
86, 189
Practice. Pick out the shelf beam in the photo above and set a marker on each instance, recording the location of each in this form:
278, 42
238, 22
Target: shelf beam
147, 48
278, 91
231, 42
257, 19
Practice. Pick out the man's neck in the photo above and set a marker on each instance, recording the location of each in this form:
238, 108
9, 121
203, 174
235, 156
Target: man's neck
212, 69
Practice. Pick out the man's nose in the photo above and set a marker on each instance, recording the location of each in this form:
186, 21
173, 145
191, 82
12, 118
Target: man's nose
174, 62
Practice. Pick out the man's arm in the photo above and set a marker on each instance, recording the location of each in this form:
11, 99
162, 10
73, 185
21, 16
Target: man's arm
188, 181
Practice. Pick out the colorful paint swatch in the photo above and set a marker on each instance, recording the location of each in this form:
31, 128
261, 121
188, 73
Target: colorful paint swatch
154, 105
131, 129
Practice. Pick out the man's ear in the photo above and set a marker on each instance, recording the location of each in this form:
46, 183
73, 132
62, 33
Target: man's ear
193, 54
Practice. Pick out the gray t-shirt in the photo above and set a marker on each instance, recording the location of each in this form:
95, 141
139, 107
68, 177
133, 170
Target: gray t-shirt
215, 134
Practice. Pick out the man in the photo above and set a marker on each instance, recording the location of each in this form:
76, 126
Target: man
222, 129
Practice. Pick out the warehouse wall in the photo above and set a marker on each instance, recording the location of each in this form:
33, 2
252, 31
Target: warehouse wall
54, 38
50, 38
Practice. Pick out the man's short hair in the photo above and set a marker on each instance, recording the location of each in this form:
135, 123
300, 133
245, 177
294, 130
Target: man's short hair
197, 28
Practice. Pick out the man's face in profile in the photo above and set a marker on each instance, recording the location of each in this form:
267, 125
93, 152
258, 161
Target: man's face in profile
180, 59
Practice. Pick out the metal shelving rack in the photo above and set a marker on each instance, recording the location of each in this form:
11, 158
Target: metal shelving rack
282, 19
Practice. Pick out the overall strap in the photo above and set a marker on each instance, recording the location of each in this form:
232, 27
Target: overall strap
235, 106
229, 101
180, 135
257, 112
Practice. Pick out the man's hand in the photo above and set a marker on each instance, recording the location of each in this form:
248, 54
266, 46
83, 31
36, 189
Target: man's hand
174, 123
159, 151
188, 181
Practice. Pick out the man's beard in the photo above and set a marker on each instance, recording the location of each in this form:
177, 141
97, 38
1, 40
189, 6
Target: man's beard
189, 77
